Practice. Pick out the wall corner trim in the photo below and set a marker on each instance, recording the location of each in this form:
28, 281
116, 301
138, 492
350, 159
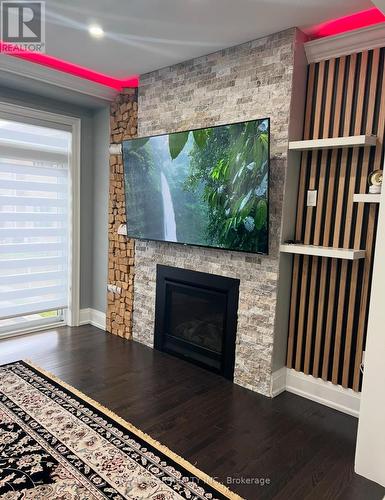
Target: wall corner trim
278, 382
316, 389
350, 42
89, 316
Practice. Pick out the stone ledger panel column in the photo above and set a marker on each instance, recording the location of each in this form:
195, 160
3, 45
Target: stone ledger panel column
121, 250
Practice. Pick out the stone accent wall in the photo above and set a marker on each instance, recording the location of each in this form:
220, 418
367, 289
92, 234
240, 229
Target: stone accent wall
253, 80
123, 125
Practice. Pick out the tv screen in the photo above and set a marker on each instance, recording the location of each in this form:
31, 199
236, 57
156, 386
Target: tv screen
206, 187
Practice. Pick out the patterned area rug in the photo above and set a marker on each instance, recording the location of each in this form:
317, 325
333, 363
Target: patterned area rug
56, 443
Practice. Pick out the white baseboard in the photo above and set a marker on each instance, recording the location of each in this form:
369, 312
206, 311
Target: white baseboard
89, 316
85, 316
316, 389
278, 382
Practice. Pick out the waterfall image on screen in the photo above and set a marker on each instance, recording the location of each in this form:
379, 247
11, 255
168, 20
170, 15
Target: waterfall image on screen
206, 187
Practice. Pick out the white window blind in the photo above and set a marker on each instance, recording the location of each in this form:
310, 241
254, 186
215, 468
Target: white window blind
34, 212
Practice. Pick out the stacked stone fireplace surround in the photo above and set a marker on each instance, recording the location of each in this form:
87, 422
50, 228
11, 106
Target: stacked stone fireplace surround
252, 80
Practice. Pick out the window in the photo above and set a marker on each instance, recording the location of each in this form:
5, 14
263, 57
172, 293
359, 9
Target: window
34, 224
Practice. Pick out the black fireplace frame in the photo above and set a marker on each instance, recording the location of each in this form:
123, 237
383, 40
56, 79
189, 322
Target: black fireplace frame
168, 275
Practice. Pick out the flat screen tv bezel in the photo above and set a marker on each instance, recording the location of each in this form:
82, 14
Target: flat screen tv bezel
213, 247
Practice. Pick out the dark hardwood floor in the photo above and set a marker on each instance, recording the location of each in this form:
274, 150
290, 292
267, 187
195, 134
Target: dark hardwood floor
304, 449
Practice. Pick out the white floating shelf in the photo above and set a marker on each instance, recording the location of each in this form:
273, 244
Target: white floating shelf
334, 142
317, 251
367, 198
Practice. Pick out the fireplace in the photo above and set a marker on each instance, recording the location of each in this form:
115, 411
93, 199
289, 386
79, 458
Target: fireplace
196, 317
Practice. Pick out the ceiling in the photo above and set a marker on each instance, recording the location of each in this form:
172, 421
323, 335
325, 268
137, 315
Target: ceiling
144, 35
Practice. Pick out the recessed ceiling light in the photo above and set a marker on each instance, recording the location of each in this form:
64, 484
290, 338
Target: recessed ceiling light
96, 31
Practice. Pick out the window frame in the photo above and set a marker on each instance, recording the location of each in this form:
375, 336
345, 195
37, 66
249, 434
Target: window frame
72, 124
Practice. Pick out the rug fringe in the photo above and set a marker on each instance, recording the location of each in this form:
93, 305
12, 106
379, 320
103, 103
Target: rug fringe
153, 442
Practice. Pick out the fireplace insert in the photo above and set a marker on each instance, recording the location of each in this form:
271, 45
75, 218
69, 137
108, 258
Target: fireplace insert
196, 317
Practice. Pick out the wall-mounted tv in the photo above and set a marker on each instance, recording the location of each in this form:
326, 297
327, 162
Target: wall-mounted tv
206, 187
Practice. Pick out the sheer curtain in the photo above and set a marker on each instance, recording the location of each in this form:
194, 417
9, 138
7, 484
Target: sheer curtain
34, 212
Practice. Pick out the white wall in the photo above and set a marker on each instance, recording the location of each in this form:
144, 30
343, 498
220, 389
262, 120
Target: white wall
370, 452
100, 209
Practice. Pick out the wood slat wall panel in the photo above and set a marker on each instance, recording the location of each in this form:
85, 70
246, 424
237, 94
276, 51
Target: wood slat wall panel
329, 297
347, 179
367, 128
